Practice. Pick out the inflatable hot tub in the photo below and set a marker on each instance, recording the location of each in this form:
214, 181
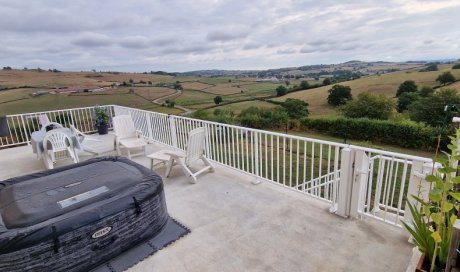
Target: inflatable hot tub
76, 217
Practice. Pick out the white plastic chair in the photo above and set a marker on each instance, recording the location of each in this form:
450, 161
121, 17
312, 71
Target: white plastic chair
126, 135
82, 137
43, 120
59, 142
194, 152
56, 125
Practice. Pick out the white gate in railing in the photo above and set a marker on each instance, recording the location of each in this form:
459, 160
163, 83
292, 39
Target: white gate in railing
377, 184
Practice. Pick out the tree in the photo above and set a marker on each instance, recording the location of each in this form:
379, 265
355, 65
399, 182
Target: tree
407, 86
370, 106
287, 82
218, 100
405, 99
456, 66
201, 114
327, 81
295, 108
225, 116
177, 86
304, 85
430, 109
446, 78
425, 91
264, 118
430, 67
339, 95
281, 90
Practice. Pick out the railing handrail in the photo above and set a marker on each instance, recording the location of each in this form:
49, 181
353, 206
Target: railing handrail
40, 112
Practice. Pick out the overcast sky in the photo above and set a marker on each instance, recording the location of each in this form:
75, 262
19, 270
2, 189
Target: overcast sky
181, 35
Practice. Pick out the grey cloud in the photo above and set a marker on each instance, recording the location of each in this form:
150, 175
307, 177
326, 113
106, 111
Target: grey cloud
195, 49
225, 35
92, 40
203, 34
160, 42
307, 50
134, 42
252, 45
287, 51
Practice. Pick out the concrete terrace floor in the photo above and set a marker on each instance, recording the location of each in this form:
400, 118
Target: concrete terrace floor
238, 226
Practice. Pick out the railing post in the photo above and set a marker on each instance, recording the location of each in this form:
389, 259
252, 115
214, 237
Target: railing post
345, 184
172, 127
418, 186
359, 183
256, 157
149, 125
26, 132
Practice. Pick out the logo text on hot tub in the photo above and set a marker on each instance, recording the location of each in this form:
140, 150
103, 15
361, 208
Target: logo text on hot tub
102, 232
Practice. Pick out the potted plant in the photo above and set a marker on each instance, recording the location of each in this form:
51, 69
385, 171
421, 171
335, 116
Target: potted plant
433, 219
101, 120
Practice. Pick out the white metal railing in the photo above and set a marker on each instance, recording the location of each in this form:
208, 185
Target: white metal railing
22, 125
309, 166
302, 164
306, 165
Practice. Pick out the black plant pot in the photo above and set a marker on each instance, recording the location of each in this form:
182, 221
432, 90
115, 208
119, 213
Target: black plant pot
103, 129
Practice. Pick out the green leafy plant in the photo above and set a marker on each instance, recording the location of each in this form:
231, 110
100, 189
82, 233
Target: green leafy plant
433, 219
101, 116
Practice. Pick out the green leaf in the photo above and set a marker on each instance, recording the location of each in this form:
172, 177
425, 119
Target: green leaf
419, 200
426, 210
452, 219
441, 160
447, 170
432, 178
436, 237
437, 217
452, 147
455, 195
456, 179
446, 207
436, 195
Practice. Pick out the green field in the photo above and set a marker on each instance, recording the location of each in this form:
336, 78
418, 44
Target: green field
239, 107
386, 84
199, 92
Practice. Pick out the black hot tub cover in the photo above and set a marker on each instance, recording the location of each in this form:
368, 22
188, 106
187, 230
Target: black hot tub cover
75, 217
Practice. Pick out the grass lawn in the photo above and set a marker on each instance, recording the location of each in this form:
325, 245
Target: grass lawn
152, 93
54, 102
194, 85
239, 107
316, 135
194, 98
9, 95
